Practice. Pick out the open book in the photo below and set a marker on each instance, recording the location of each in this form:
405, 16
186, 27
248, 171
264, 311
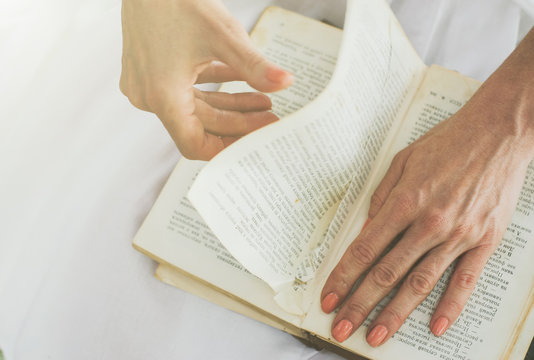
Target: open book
259, 228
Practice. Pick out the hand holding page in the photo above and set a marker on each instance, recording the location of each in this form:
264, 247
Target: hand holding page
174, 230
172, 46
290, 180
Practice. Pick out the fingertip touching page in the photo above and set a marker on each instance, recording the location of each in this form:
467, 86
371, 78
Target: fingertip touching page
266, 196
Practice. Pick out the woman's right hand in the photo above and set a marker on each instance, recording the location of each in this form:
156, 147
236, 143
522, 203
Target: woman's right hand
170, 45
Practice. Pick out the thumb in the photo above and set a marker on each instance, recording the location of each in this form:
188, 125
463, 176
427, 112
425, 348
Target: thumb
241, 55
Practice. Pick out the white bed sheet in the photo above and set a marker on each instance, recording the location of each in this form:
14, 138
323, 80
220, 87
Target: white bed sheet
80, 168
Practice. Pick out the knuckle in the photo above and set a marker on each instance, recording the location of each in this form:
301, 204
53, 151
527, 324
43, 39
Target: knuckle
341, 277
384, 275
357, 309
453, 306
362, 254
405, 202
465, 279
461, 230
419, 283
434, 221
231, 29
393, 316
254, 60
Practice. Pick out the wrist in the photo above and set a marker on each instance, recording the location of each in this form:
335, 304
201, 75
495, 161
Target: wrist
506, 110
504, 105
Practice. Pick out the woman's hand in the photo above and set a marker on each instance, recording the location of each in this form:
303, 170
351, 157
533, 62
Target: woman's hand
168, 46
450, 195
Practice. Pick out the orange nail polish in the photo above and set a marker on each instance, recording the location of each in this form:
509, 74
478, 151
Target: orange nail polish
329, 302
342, 330
440, 326
377, 335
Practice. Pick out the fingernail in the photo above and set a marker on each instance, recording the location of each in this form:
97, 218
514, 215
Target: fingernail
440, 326
278, 75
342, 330
377, 335
329, 302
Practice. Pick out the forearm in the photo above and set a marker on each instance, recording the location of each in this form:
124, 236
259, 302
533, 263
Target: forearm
507, 99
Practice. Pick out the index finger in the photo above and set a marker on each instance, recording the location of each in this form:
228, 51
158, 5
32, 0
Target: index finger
363, 252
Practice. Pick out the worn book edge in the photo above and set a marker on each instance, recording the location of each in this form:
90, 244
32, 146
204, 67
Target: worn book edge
174, 276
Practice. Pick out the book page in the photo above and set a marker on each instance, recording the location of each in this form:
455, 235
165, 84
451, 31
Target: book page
173, 232
502, 296
271, 196
305, 47
518, 348
176, 277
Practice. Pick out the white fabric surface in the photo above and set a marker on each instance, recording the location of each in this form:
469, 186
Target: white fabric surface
80, 168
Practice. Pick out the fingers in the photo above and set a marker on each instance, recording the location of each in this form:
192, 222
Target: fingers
364, 251
218, 72
231, 123
200, 130
418, 285
383, 277
237, 102
240, 54
460, 287
202, 140
415, 288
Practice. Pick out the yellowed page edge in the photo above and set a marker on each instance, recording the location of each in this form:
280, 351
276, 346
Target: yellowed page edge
176, 277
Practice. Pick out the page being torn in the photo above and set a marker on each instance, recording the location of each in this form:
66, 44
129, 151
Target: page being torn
269, 197
290, 42
388, 71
